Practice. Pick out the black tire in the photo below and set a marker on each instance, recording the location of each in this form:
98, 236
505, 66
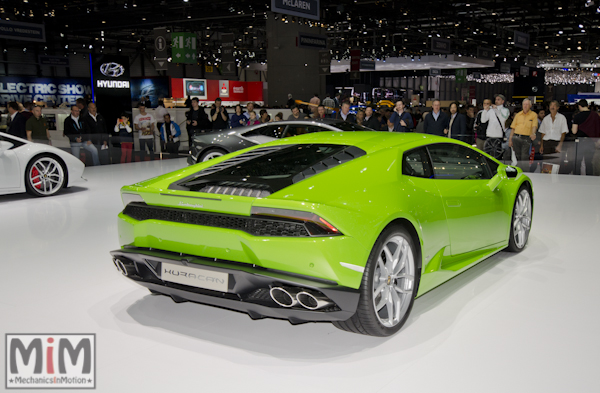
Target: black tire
31, 190
512, 243
365, 320
212, 153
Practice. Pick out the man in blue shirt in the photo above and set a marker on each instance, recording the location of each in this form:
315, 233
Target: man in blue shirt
169, 136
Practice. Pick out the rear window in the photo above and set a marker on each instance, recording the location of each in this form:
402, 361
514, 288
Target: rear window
275, 169
283, 163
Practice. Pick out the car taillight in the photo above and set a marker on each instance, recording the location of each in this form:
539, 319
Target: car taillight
316, 226
129, 197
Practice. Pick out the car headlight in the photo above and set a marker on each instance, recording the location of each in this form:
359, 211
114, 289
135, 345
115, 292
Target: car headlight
127, 198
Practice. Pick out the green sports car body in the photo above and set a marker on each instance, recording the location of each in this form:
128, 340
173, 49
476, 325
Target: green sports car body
341, 227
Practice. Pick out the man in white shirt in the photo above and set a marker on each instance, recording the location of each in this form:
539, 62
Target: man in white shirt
146, 125
553, 129
495, 117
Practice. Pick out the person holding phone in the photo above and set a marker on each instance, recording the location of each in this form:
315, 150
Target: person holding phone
125, 137
401, 119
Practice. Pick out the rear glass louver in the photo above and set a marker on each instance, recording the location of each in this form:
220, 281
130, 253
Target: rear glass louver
238, 160
337, 159
237, 188
263, 171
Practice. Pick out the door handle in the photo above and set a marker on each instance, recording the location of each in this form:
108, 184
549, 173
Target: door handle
453, 203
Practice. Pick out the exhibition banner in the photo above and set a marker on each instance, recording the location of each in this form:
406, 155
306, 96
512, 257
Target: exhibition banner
209, 90
22, 31
311, 41
521, 40
441, 45
155, 88
60, 61
183, 47
52, 91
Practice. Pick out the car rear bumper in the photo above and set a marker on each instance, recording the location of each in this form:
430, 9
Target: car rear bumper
248, 286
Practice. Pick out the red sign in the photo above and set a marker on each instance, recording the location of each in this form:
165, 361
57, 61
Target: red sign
355, 60
238, 91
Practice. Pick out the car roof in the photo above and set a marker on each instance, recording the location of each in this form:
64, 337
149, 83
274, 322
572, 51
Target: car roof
241, 130
369, 141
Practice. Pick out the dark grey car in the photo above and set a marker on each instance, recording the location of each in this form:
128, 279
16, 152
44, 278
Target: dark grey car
212, 144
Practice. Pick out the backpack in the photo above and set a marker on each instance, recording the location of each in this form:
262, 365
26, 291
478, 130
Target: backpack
480, 128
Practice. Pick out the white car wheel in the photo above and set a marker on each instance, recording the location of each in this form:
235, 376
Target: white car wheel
44, 176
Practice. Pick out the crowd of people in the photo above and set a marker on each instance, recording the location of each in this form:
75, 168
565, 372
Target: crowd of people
524, 135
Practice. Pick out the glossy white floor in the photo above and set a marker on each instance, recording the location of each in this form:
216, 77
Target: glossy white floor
526, 323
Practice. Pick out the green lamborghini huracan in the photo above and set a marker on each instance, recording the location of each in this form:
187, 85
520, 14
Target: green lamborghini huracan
345, 227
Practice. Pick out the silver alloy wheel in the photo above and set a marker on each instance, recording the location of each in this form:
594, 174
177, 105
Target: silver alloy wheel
211, 155
46, 176
393, 280
522, 218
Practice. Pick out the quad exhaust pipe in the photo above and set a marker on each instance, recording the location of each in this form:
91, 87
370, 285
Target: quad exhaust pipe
124, 270
285, 297
290, 297
312, 301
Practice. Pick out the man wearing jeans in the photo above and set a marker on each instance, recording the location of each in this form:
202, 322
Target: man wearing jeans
522, 133
145, 124
78, 135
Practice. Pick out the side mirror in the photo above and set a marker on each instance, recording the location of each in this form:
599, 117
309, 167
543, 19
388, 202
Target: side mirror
511, 172
500, 175
4, 145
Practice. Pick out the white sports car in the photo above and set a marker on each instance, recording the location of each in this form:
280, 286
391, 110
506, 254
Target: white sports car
39, 169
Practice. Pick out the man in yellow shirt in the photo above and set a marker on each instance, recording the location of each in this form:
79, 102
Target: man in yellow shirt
522, 132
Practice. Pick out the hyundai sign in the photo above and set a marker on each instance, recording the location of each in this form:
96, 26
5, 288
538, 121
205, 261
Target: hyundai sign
112, 89
112, 69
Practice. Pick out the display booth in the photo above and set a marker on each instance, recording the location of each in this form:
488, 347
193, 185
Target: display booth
206, 90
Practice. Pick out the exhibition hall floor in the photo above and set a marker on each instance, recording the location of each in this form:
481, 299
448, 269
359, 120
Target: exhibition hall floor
528, 322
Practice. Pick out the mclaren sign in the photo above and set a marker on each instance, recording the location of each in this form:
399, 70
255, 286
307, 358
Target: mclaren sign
310, 9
